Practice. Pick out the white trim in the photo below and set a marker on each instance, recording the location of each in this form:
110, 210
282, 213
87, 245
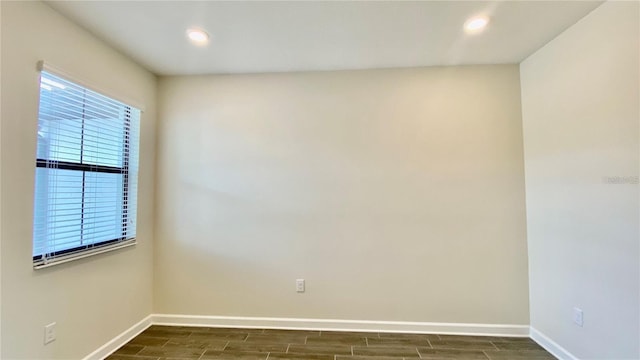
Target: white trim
342, 325
42, 264
551, 346
115, 343
46, 66
308, 324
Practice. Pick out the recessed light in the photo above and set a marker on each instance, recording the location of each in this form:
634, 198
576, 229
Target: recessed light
197, 36
476, 24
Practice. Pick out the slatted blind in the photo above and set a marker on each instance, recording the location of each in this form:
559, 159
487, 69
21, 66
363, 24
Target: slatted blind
86, 172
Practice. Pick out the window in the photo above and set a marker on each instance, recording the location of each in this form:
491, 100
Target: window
86, 173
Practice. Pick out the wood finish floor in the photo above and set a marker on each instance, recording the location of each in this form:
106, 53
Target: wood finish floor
174, 343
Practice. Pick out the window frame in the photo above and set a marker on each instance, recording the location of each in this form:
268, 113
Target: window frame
62, 256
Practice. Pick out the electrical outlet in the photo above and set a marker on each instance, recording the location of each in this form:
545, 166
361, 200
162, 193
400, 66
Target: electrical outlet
578, 316
299, 285
49, 333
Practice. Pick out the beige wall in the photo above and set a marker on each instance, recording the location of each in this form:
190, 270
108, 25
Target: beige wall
580, 111
397, 194
94, 299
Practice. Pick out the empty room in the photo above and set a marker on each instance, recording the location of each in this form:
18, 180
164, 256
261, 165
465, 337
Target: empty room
321, 180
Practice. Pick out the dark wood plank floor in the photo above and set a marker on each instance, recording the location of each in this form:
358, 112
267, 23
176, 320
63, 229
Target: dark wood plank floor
174, 343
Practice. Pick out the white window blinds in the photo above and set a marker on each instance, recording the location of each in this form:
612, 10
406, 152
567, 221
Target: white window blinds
86, 173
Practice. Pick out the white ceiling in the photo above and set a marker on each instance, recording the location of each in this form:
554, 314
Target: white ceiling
314, 35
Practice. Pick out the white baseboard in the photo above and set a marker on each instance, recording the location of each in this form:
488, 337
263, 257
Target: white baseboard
342, 325
551, 346
115, 343
308, 324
